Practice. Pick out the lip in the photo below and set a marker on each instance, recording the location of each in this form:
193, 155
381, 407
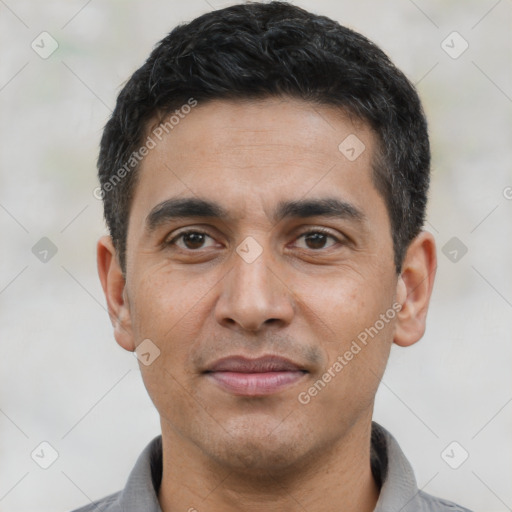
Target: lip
262, 376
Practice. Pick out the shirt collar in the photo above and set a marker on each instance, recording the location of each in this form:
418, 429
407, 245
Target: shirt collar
399, 490
391, 470
141, 490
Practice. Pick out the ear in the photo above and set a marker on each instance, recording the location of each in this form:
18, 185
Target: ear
414, 289
114, 287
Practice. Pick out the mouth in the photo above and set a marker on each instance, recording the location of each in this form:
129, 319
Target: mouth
263, 376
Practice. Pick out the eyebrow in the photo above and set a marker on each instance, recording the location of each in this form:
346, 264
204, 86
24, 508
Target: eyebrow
191, 207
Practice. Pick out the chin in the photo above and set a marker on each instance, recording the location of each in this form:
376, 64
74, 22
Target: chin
259, 459
258, 448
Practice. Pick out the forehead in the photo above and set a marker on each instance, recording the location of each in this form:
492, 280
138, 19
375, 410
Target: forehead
257, 125
240, 146
252, 159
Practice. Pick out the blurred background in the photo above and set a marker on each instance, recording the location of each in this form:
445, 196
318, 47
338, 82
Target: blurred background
64, 381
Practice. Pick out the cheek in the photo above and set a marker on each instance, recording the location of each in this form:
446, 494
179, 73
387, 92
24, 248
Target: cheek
347, 385
162, 299
353, 320
170, 309
345, 303
165, 310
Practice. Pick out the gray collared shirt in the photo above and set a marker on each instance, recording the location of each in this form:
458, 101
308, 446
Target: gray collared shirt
392, 471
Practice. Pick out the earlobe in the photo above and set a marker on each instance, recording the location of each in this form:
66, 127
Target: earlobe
414, 288
114, 287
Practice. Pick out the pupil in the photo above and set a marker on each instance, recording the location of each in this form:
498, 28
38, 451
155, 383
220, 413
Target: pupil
318, 240
194, 239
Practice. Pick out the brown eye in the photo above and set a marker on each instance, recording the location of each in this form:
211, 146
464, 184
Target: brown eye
317, 239
190, 240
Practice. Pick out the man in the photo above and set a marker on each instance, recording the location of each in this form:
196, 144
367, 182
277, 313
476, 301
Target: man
264, 177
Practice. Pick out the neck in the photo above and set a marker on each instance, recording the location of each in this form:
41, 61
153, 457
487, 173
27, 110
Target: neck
338, 478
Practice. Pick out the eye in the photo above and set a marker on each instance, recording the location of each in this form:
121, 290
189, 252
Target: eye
316, 239
191, 240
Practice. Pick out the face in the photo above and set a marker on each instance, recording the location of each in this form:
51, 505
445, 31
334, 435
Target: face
258, 256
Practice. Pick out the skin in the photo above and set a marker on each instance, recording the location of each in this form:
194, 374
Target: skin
303, 300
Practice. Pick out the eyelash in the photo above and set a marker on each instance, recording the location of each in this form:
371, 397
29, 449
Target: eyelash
194, 231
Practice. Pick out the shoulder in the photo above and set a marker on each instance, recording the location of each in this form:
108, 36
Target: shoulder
429, 503
108, 504
399, 490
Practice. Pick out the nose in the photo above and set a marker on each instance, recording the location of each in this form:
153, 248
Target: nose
254, 295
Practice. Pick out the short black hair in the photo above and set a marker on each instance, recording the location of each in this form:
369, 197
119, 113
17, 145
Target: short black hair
262, 50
